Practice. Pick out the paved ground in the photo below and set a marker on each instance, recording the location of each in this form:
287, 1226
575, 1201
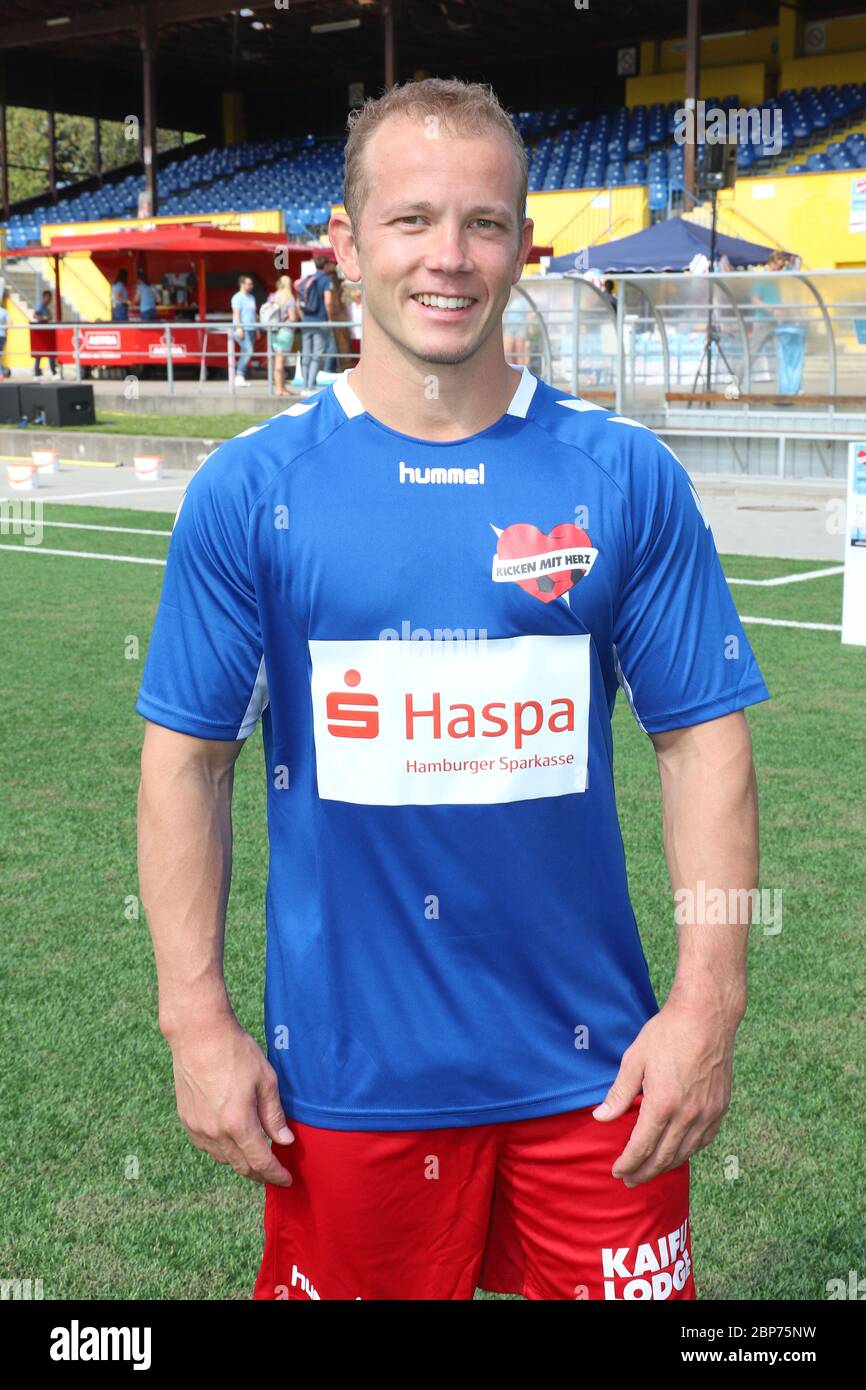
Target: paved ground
795, 522
798, 527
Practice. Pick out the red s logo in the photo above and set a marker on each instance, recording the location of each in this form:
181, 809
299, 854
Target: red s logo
352, 716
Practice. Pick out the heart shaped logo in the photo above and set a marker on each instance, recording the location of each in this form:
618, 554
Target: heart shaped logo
545, 566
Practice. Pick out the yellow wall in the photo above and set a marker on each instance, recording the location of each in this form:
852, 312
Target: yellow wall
804, 213
270, 221
746, 80
649, 57
757, 46
822, 69
85, 287
17, 353
790, 33
766, 44
843, 34
580, 217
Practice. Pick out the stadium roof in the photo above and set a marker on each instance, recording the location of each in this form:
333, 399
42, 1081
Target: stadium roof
84, 55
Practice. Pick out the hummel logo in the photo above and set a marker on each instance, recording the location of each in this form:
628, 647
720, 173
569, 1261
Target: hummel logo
474, 476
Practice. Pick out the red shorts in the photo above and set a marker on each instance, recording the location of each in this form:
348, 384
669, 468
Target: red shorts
525, 1207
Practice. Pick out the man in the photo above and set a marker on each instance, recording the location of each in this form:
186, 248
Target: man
245, 319
4, 329
316, 298
429, 580
790, 336
146, 298
43, 313
120, 296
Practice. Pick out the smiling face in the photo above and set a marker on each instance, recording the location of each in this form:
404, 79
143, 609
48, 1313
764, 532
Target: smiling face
439, 242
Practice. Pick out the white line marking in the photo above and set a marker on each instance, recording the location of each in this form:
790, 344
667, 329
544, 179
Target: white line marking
787, 622
791, 578
83, 554
91, 526
111, 492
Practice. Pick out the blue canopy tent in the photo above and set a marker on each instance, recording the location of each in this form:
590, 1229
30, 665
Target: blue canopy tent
664, 246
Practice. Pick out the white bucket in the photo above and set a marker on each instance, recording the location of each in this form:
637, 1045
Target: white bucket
148, 467
46, 460
22, 476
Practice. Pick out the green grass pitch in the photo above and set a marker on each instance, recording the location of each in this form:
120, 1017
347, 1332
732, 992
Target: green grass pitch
102, 1194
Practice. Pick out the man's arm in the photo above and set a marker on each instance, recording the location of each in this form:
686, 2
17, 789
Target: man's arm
683, 1056
227, 1091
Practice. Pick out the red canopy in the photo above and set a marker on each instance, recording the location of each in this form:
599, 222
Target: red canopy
196, 239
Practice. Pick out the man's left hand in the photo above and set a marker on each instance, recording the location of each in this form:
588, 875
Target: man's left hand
683, 1060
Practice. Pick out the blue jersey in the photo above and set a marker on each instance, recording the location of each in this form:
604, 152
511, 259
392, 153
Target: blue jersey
433, 636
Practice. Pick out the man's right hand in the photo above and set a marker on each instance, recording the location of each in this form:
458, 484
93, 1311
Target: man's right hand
227, 1095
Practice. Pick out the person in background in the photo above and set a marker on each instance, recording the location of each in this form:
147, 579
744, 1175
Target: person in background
120, 297
339, 346
4, 328
146, 298
356, 314
790, 337
515, 331
285, 313
609, 291
316, 301
43, 313
244, 318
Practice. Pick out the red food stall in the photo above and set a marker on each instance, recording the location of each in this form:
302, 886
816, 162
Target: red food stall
194, 269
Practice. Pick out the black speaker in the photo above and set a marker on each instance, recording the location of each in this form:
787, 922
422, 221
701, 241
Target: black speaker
60, 403
10, 402
719, 166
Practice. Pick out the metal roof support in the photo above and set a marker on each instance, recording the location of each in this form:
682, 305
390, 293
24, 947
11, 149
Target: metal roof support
693, 91
147, 35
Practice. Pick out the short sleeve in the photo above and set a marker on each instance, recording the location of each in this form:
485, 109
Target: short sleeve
680, 651
204, 674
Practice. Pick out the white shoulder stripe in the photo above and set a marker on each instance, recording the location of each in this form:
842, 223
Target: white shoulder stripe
258, 701
626, 688
574, 403
522, 398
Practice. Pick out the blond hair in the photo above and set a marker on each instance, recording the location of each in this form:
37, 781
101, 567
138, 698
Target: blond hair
284, 291
464, 108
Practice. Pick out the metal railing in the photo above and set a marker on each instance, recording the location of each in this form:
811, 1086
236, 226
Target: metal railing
118, 347
122, 346
738, 340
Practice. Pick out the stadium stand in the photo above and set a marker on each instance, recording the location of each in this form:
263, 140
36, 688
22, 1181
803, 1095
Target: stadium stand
822, 130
